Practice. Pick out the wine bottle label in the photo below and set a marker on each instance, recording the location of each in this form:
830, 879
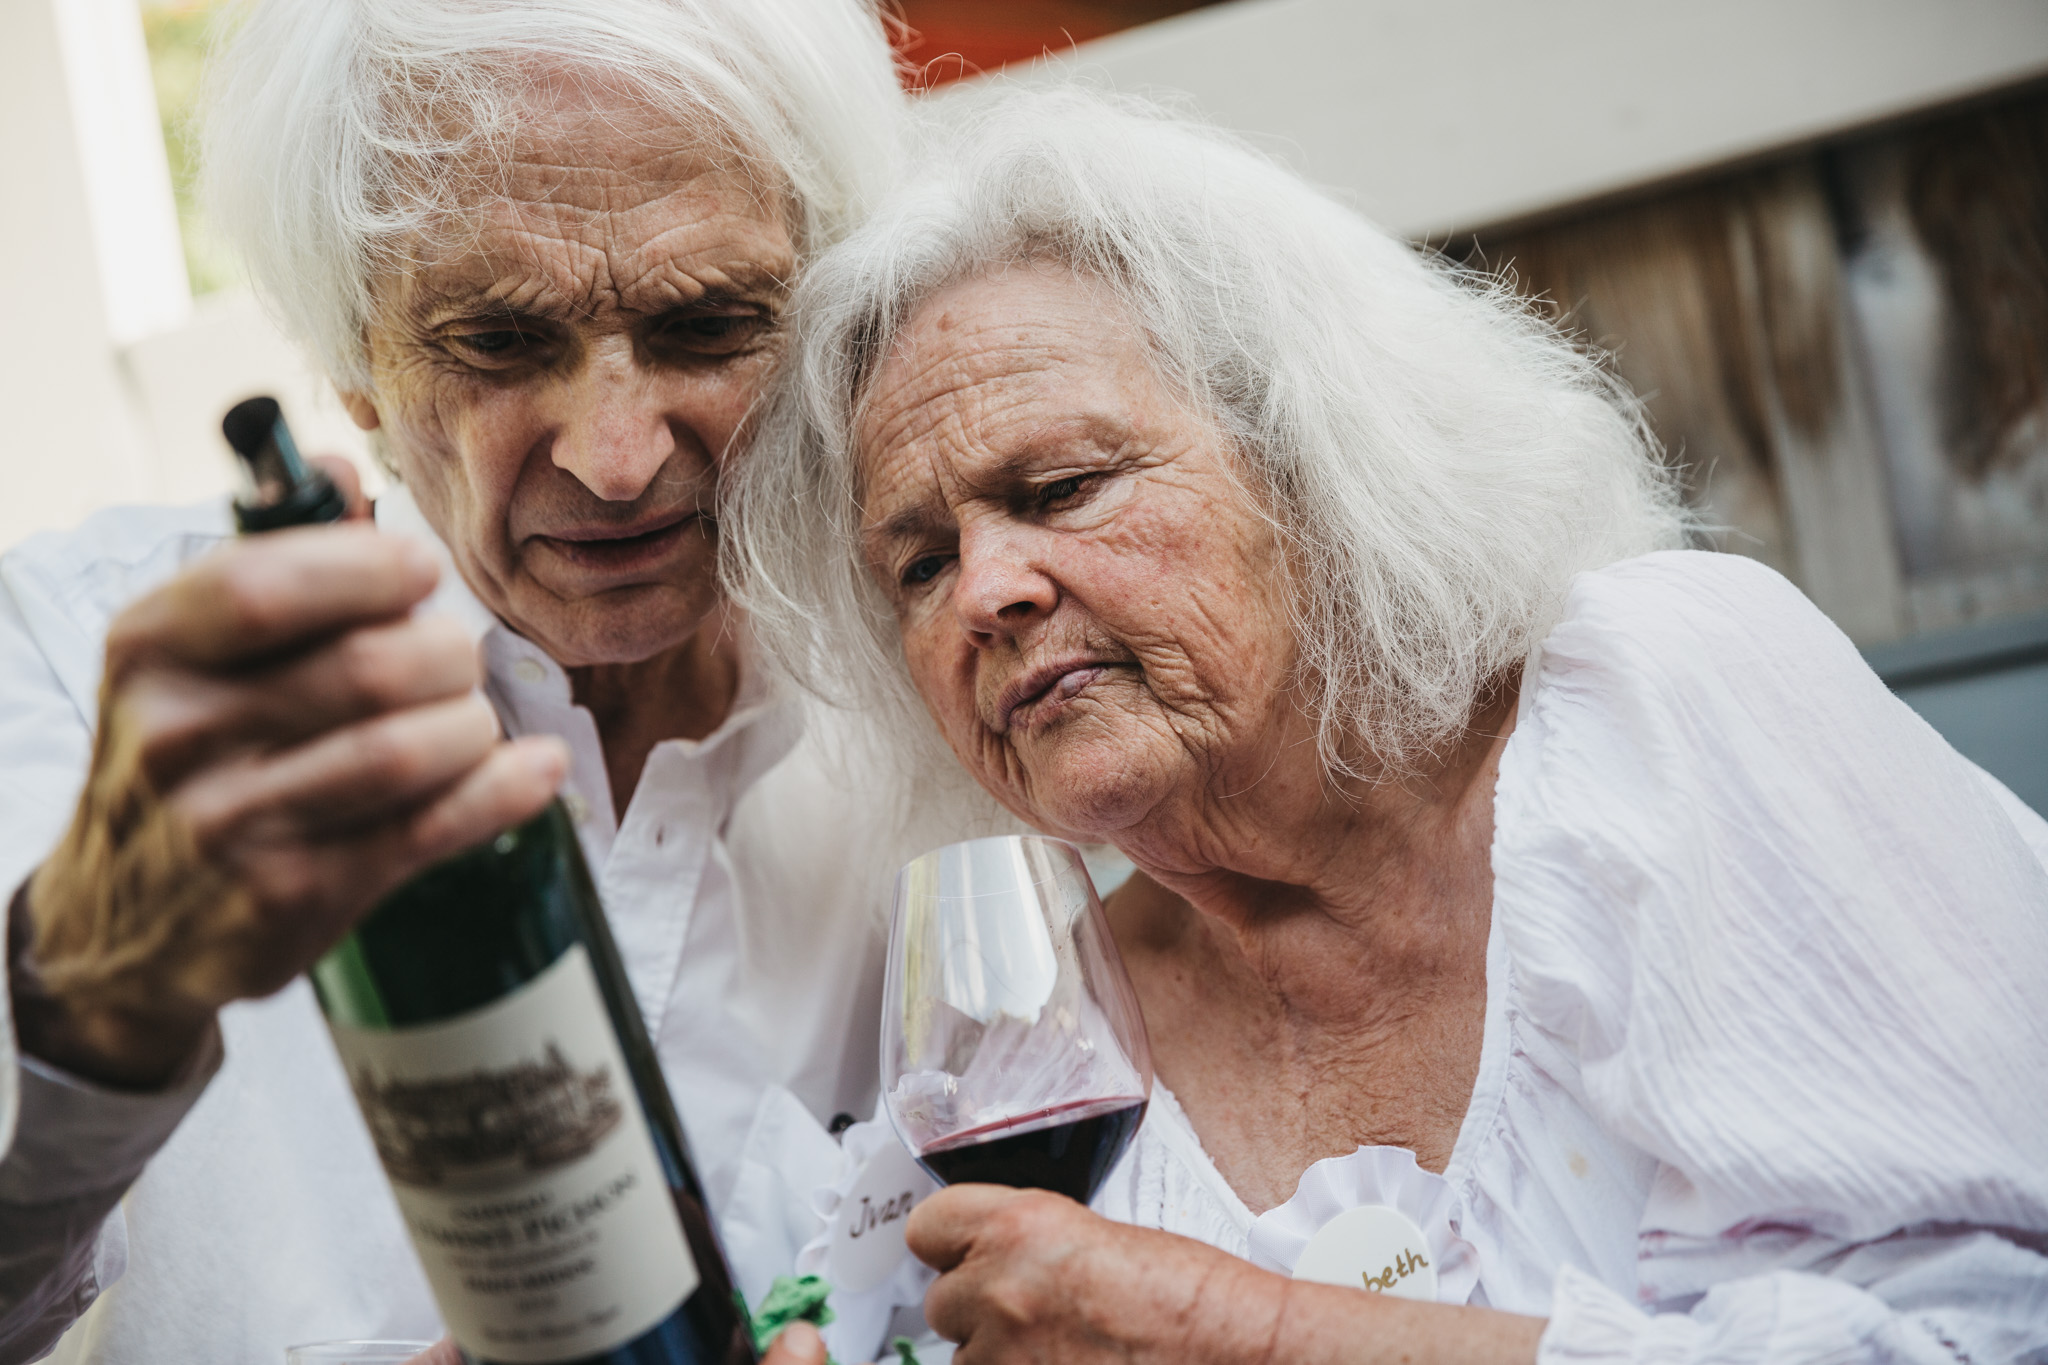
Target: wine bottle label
525, 1172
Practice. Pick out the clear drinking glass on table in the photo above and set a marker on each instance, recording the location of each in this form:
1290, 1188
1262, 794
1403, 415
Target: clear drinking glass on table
354, 1352
1013, 1051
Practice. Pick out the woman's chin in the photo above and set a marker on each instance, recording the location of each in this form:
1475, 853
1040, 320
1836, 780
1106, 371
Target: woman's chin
1091, 798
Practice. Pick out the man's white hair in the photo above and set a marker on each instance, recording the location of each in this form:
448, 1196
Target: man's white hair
1438, 460
337, 130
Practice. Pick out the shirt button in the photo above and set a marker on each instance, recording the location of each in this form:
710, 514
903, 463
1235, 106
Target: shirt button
579, 809
529, 671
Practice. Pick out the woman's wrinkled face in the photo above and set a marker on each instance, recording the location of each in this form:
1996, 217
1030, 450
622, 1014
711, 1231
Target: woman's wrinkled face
1091, 609
560, 375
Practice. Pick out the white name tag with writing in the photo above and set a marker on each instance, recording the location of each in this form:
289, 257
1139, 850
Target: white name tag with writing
1371, 1247
867, 1232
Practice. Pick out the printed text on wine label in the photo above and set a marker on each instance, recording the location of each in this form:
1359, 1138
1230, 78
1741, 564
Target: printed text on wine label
525, 1171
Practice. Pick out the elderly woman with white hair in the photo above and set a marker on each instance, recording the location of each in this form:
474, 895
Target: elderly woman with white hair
541, 247
1580, 901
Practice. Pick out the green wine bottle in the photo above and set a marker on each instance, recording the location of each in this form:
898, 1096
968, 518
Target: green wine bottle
505, 1072
491, 1037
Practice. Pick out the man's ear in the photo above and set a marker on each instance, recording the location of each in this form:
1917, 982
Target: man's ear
361, 410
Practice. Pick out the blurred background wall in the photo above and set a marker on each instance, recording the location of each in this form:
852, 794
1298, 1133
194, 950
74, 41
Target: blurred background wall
1812, 233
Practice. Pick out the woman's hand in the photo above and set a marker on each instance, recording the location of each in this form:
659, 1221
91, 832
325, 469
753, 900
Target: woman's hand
1031, 1276
1027, 1276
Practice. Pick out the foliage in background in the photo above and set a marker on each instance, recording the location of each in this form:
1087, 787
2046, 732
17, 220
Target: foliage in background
179, 33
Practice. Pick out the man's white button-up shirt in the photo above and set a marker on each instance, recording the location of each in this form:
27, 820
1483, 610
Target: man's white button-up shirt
746, 883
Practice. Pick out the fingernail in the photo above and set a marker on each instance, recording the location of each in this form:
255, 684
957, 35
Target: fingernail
419, 558
545, 756
805, 1340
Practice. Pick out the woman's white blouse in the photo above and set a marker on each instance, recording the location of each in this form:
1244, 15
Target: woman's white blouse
1765, 1070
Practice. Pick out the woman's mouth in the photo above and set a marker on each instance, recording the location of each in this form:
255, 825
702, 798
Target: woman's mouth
1033, 700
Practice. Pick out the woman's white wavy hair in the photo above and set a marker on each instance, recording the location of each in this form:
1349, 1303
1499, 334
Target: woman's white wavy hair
1439, 461
337, 131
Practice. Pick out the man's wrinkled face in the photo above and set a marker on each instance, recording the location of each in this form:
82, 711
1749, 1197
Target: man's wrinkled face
560, 377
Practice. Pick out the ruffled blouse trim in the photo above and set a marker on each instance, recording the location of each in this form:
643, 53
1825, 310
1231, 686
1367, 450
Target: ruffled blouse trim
1168, 1123
1496, 1048
1590, 1324
1387, 1176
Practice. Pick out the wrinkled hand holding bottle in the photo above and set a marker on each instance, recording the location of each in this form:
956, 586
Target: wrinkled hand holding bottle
280, 743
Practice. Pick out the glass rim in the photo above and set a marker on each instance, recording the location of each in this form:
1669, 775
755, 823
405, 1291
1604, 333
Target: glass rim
337, 1345
1080, 864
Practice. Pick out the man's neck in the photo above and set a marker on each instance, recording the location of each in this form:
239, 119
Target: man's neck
681, 693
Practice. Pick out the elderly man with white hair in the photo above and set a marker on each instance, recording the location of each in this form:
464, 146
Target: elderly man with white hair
542, 248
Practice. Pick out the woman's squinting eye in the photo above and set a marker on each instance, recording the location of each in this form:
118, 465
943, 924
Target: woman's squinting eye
923, 570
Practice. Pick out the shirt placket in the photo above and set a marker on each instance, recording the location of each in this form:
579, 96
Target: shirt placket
532, 696
652, 879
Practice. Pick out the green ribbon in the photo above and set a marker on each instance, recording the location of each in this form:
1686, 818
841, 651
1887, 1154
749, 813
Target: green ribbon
801, 1298
790, 1299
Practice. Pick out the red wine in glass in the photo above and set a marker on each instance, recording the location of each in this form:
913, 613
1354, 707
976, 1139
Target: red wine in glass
1013, 1051
1069, 1148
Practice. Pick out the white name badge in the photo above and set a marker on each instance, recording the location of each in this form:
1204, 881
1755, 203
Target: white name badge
1371, 1247
867, 1232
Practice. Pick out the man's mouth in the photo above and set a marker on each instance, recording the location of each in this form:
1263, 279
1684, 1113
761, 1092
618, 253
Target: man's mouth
623, 549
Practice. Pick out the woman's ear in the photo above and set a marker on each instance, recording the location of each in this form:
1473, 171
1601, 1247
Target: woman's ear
361, 410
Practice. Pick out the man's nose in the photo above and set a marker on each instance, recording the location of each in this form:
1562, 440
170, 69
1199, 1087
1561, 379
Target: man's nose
613, 429
1003, 587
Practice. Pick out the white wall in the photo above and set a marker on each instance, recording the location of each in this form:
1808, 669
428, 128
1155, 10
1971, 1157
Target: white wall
1443, 117
112, 381
73, 440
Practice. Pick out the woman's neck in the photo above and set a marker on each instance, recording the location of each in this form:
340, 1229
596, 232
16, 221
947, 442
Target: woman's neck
1322, 888
1300, 1013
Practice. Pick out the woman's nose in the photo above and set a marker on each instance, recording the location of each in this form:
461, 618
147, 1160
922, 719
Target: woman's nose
1002, 588
613, 429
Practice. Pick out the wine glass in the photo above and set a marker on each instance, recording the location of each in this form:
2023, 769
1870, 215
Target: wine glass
354, 1352
1013, 1051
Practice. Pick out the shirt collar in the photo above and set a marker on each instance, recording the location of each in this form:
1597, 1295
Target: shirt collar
756, 706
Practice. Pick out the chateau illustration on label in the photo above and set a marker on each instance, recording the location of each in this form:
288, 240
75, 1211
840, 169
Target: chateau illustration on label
486, 1127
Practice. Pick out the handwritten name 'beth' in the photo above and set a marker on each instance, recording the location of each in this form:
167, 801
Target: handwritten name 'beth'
1389, 1276
873, 1215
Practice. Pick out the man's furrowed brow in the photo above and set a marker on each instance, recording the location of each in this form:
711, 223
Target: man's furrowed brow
433, 303
745, 277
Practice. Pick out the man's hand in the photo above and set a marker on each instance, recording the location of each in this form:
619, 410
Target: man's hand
280, 744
